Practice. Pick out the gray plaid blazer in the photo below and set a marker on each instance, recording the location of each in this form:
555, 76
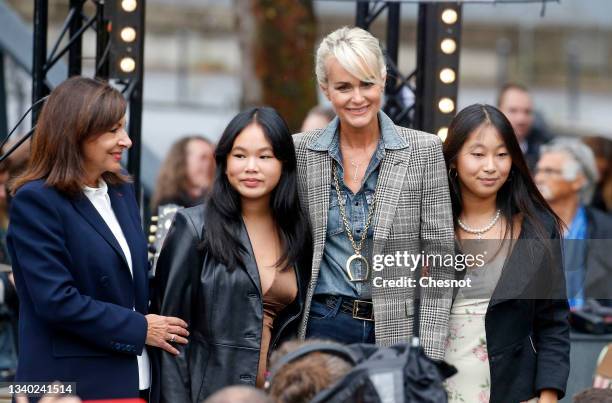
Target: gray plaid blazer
413, 213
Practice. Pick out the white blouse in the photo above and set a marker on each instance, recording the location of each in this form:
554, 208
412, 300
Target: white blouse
101, 201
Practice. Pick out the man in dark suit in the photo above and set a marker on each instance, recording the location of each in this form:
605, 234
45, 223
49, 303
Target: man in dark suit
516, 103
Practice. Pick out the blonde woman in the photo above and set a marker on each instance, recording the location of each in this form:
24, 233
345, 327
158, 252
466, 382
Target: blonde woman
371, 188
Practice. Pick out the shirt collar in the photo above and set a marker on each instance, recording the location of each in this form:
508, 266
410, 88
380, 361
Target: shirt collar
578, 226
390, 138
101, 190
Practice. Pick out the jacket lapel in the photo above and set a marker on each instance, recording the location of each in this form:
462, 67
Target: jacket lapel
133, 236
91, 215
520, 268
318, 174
122, 214
388, 191
250, 264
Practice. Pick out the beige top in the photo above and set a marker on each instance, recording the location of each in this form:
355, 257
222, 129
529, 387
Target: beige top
279, 289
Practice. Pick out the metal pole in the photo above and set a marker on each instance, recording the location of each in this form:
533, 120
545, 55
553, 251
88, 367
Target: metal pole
393, 28
3, 100
422, 34
39, 87
102, 66
135, 129
74, 54
363, 8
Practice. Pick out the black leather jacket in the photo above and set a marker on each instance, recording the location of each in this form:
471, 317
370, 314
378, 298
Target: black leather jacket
224, 311
526, 323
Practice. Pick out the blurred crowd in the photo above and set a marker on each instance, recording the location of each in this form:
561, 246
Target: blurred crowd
573, 174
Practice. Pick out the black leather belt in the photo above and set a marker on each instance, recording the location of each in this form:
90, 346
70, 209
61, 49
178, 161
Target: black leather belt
359, 309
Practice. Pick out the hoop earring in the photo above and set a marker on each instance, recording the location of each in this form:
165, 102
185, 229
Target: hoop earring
450, 175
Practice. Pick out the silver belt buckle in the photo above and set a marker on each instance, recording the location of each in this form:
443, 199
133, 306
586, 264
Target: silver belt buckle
356, 310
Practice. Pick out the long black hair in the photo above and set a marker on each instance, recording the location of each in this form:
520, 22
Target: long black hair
223, 211
519, 194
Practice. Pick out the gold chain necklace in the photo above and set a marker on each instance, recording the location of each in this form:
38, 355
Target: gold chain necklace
357, 256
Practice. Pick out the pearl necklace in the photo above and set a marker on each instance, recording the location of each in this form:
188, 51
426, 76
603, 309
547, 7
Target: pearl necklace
479, 231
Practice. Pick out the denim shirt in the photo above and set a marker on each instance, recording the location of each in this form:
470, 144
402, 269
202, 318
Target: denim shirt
333, 278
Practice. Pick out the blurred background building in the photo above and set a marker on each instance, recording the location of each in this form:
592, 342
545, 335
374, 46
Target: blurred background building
199, 66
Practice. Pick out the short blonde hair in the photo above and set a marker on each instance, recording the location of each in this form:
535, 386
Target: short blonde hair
357, 51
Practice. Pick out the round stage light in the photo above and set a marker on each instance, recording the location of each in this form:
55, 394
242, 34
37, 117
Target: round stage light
446, 105
442, 133
447, 75
129, 5
448, 46
450, 16
127, 64
128, 34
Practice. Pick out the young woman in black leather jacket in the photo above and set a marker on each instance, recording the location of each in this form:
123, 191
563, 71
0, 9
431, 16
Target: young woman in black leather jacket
235, 269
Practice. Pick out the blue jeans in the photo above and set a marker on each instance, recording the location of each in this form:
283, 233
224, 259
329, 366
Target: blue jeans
328, 322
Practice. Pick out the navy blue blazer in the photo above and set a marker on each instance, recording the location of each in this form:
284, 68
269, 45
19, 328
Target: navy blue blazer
77, 321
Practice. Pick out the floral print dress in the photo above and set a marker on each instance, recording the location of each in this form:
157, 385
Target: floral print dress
467, 341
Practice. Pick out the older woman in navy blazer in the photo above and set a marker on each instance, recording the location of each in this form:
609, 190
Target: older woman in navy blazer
79, 254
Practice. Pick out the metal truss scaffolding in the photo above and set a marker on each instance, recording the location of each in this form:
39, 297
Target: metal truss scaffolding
411, 98
110, 64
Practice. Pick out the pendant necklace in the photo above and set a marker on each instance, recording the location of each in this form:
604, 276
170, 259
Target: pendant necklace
357, 256
356, 172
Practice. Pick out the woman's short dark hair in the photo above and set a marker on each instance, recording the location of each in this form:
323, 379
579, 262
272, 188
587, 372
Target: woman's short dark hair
519, 194
224, 209
78, 109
